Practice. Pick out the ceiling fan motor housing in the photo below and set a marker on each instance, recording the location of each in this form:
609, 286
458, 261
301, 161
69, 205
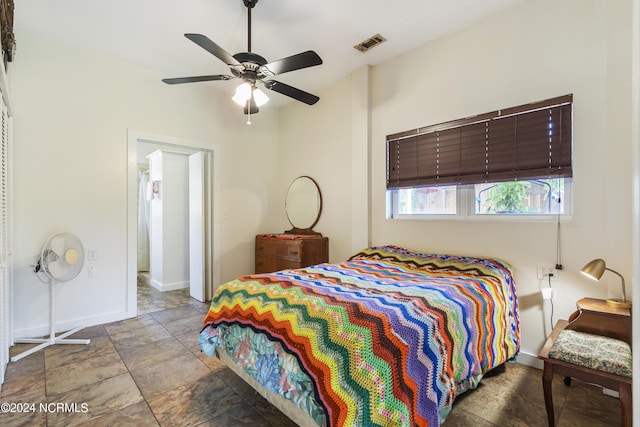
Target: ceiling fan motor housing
251, 64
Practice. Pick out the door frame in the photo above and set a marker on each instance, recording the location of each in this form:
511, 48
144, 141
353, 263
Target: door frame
133, 138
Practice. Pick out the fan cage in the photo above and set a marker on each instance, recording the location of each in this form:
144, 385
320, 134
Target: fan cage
62, 257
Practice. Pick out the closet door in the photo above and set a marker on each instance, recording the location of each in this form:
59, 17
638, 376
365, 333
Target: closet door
5, 319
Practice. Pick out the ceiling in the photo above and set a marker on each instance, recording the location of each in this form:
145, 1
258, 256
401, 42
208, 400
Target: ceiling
150, 33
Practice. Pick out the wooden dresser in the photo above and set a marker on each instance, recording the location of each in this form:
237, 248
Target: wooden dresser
276, 252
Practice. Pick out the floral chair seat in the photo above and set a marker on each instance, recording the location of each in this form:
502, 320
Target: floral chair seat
593, 351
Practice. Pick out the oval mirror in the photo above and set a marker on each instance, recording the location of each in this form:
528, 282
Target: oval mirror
303, 205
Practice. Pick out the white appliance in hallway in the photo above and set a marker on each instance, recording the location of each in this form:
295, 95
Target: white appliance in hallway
169, 224
179, 200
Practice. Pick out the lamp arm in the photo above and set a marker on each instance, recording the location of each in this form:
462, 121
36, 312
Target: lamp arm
624, 294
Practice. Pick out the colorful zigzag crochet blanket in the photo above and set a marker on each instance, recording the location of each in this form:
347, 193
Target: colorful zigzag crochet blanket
387, 338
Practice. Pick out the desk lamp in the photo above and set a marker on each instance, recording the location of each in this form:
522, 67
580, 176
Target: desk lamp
594, 270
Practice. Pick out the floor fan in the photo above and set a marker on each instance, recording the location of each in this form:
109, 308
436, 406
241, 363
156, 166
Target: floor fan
61, 260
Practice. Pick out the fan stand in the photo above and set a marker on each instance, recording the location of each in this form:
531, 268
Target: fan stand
52, 340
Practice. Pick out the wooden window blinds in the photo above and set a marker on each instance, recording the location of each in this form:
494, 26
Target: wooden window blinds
531, 141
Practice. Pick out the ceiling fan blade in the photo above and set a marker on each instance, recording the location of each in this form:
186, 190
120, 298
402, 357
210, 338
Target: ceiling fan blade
194, 79
290, 63
205, 43
291, 92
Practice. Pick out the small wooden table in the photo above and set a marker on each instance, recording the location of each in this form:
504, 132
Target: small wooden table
594, 317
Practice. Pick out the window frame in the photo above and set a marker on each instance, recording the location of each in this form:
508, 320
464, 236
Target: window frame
465, 208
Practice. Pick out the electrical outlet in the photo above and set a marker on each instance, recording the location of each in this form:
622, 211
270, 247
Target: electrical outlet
544, 270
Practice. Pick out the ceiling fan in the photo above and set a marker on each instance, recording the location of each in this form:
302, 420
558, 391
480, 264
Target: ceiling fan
253, 68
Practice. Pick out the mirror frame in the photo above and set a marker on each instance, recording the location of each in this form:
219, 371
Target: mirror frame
309, 230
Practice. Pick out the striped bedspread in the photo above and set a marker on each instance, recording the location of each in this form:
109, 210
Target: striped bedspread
388, 337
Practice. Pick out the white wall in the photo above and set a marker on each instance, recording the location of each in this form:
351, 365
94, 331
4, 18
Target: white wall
533, 51
72, 112
316, 141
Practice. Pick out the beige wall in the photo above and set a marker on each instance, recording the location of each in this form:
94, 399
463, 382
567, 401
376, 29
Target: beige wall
72, 112
534, 51
316, 141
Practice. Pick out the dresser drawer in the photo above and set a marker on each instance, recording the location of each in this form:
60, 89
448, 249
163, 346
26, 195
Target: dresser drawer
268, 264
275, 252
290, 249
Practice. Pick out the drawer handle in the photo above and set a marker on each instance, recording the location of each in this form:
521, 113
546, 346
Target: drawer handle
293, 252
261, 248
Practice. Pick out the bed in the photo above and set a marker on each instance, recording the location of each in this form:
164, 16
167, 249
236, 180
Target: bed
389, 337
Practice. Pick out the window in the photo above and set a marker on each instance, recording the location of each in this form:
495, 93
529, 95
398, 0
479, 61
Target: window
515, 161
429, 200
533, 197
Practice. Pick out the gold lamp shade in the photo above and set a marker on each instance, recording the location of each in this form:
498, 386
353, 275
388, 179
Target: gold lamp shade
595, 269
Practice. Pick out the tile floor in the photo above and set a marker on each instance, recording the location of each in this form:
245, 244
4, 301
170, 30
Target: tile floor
148, 371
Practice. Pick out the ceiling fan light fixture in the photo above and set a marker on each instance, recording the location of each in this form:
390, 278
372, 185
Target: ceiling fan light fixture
260, 97
243, 94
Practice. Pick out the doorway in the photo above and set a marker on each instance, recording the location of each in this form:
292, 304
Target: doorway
139, 146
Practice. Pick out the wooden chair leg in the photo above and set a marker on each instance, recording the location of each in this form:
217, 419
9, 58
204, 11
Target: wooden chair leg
624, 391
547, 378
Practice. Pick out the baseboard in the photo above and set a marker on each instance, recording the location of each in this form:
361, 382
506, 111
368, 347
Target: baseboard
163, 287
529, 360
44, 330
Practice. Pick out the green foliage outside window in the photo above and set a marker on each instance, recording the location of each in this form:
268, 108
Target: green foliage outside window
508, 197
